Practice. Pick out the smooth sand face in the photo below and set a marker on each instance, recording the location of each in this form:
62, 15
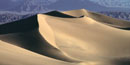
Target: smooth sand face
91, 39
99, 17
13, 55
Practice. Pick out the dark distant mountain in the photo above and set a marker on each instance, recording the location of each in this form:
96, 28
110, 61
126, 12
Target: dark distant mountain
86, 4
5, 5
26, 8
11, 17
40, 6
113, 3
31, 6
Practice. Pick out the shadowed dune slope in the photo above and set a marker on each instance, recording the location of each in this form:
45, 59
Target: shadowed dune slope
59, 14
91, 40
19, 26
100, 18
25, 33
89, 37
14, 55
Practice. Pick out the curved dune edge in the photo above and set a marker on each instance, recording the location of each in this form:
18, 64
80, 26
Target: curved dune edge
67, 39
100, 18
48, 33
35, 36
14, 55
90, 40
59, 14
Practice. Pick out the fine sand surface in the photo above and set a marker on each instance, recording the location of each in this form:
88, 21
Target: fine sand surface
76, 37
101, 18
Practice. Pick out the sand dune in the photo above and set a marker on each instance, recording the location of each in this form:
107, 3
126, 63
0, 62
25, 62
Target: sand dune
29, 37
59, 14
100, 18
76, 37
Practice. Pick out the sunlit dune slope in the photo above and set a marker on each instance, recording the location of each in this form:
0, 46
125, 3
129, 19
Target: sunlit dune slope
100, 18
65, 38
94, 38
34, 36
13, 55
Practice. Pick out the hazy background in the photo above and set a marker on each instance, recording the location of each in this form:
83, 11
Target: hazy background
47, 5
12, 10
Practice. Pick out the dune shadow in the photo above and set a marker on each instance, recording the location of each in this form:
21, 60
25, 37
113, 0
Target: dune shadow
122, 61
25, 33
59, 14
19, 26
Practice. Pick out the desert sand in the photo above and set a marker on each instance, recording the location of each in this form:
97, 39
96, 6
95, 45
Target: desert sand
77, 37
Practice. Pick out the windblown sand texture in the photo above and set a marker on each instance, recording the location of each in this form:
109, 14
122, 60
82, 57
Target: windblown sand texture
77, 37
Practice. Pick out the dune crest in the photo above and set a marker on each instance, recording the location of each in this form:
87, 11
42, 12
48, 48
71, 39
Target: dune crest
34, 36
100, 18
76, 37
